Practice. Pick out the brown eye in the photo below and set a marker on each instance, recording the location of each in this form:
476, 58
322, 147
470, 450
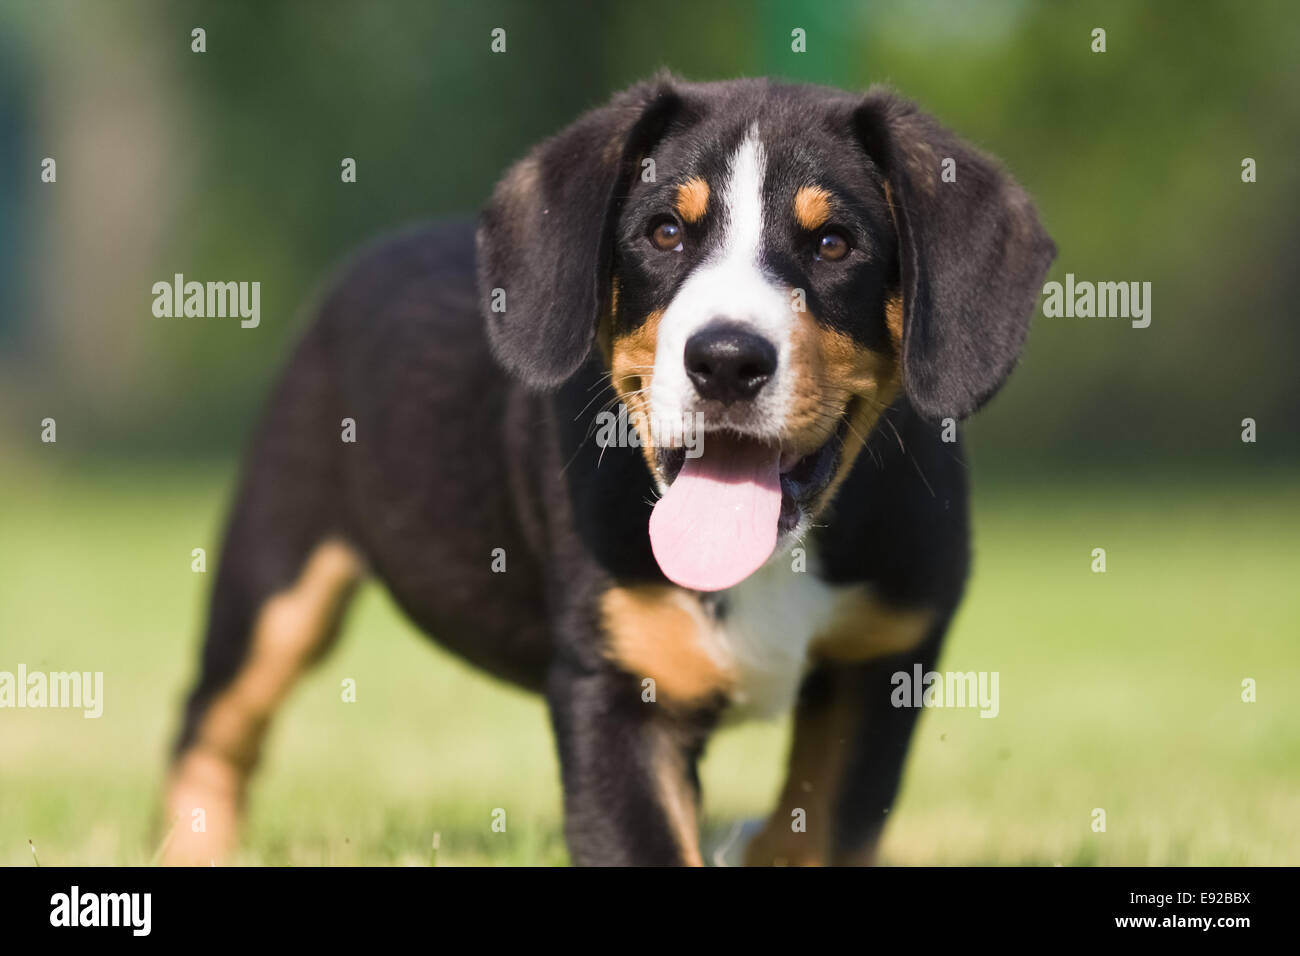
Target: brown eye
667, 236
832, 246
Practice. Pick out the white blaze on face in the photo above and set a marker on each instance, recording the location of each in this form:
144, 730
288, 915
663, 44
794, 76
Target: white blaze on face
729, 286
717, 523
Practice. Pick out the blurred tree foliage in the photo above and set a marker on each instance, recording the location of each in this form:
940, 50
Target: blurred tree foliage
1134, 157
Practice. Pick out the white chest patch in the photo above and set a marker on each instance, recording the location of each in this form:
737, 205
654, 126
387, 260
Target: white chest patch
771, 618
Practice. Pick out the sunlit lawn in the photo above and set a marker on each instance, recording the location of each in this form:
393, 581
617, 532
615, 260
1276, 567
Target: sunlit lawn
1119, 691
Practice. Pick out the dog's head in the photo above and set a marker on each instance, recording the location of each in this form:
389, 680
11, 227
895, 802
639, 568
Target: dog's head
773, 262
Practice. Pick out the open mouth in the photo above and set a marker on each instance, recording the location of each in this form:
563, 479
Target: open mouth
724, 511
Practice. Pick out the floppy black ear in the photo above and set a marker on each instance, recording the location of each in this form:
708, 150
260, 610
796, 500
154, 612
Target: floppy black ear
972, 253
545, 239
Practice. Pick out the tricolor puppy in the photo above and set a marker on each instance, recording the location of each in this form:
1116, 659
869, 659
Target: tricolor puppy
783, 269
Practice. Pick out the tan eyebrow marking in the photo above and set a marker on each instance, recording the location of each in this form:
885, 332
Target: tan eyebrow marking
812, 206
693, 199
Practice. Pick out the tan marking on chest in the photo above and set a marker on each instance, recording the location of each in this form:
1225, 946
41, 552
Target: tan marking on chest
661, 632
864, 627
678, 797
293, 629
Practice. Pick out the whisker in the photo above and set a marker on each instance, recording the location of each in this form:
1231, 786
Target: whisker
593, 398
605, 378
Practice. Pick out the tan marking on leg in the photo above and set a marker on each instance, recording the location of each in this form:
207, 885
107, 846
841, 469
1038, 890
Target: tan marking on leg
292, 630
206, 782
678, 798
812, 207
661, 632
692, 199
864, 627
819, 748
632, 370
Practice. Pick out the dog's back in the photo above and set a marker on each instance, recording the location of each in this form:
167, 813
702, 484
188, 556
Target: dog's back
430, 487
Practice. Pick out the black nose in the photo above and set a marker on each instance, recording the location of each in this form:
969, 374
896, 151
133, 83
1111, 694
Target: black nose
728, 363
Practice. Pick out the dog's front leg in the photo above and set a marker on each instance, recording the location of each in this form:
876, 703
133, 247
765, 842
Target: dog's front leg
847, 751
628, 765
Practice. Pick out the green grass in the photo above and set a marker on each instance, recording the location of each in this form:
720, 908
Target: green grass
1119, 691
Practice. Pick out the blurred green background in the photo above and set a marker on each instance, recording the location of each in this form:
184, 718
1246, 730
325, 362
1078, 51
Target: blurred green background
1118, 691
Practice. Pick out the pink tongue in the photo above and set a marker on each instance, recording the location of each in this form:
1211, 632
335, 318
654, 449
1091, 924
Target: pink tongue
717, 523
